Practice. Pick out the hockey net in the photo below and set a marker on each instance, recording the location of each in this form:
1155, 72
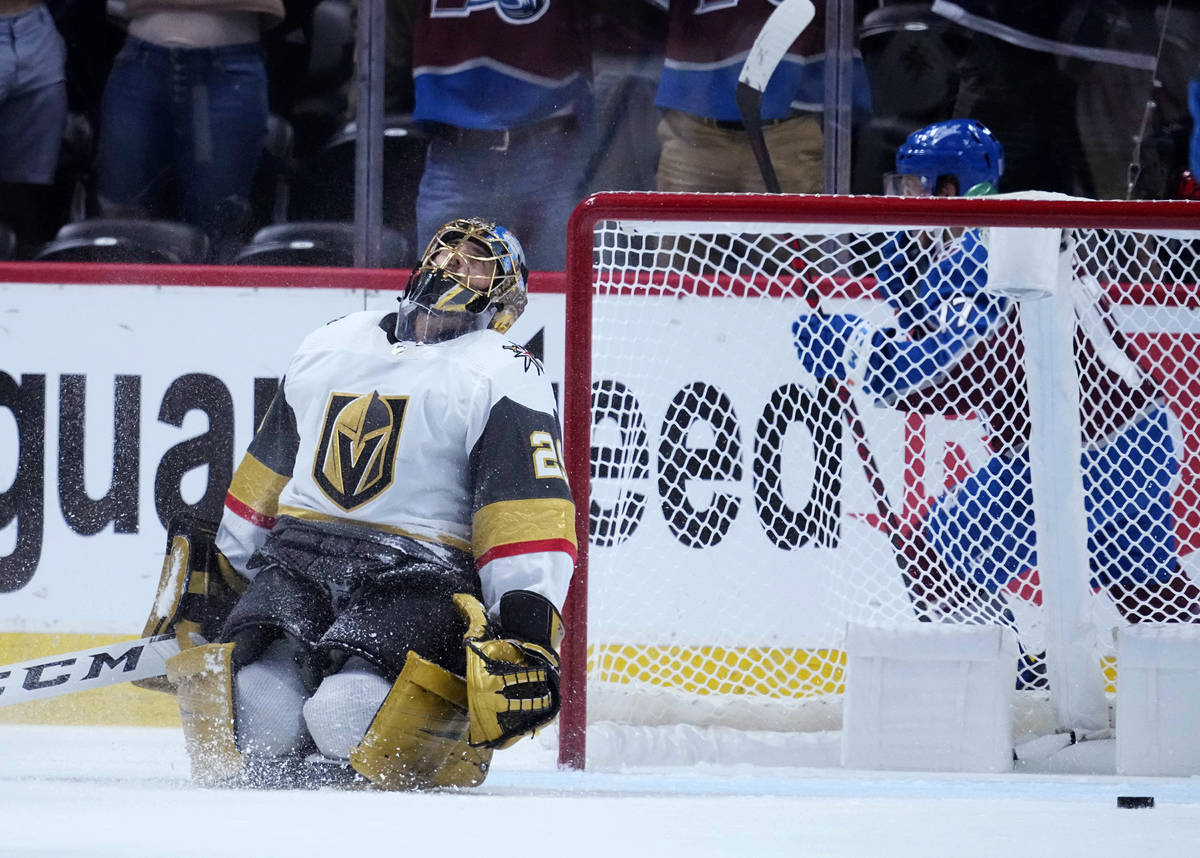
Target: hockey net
743, 503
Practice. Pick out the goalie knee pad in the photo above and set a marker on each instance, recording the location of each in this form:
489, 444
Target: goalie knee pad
269, 698
343, 707
197, 588
418, 738
203, 681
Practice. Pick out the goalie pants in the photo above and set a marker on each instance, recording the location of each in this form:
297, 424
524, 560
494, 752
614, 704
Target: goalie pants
339, 595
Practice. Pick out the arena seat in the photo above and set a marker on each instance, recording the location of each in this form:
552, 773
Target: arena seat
911, 56
129, 240
317, 243
325, 191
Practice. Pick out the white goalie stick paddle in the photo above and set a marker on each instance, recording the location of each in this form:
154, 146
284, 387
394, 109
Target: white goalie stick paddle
1045, 747
782, 28
95, 667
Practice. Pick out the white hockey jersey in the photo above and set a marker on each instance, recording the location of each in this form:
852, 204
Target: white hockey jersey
455, 444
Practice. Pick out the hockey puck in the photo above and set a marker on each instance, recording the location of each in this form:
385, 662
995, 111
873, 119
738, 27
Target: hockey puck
1135, 801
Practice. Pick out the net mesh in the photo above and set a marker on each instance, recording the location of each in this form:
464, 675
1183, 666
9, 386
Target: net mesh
796, 426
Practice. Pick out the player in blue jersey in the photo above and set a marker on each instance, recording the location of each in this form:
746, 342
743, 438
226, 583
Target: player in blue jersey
955, 349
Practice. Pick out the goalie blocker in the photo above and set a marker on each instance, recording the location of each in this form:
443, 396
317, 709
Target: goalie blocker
197, 588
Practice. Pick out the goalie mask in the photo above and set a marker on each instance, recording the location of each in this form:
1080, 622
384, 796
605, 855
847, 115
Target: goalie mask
471, 276
962, 149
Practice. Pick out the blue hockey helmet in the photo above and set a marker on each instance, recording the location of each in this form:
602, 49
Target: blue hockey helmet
472, 274
962, 148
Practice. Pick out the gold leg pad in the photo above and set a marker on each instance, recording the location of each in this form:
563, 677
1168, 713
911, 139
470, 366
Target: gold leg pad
418, 738
465, 767
203, 679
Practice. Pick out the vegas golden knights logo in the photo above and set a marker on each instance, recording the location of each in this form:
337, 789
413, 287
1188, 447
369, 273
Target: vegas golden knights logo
356, 456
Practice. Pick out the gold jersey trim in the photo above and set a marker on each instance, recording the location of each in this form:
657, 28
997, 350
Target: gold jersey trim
257, 486
523, 521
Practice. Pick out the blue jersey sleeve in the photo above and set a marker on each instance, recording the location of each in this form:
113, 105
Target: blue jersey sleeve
941, 313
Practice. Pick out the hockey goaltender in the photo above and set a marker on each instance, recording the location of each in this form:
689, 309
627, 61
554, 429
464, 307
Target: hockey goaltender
379, 605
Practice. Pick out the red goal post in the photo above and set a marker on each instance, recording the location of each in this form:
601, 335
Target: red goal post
773, 506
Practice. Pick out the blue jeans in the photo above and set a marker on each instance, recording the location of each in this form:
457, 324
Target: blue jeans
195, 115
33, 96
531, 188
1193, 93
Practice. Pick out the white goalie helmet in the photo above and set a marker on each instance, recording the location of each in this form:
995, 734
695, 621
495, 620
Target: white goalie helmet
472, 275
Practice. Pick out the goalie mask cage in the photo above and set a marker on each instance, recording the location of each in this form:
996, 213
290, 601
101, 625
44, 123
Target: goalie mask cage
1016, 443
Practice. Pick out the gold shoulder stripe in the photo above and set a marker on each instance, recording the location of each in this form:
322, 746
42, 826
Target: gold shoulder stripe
313, 515
257, 486
507, 522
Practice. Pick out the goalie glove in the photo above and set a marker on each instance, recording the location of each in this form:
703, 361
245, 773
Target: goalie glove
512, 671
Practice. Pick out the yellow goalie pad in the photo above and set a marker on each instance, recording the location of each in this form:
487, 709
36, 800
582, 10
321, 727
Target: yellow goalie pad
418, 738
203, 681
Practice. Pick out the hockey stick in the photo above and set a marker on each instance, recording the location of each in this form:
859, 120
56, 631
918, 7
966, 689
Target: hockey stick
1045, 747
862, 445
918, 596
782, 28
89, 668
883, 506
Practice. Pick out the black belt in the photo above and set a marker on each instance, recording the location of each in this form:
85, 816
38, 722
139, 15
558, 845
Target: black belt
499, 140
737, 125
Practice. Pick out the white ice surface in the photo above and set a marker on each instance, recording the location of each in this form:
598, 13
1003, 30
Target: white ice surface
79, 791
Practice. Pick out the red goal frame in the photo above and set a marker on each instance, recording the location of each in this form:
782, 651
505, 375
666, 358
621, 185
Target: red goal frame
780, 208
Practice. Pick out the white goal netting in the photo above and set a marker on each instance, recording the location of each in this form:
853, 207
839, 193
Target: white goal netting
797, 422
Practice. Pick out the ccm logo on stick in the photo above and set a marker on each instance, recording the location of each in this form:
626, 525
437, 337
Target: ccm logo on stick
58, 671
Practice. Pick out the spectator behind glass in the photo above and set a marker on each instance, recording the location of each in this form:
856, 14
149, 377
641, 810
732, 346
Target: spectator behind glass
184, 113
1193, 96
504, 89
628, 38
1066, 86
1115, 100
704, 145
33, 114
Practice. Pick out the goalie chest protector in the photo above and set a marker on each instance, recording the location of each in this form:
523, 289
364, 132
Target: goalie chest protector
386, 430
